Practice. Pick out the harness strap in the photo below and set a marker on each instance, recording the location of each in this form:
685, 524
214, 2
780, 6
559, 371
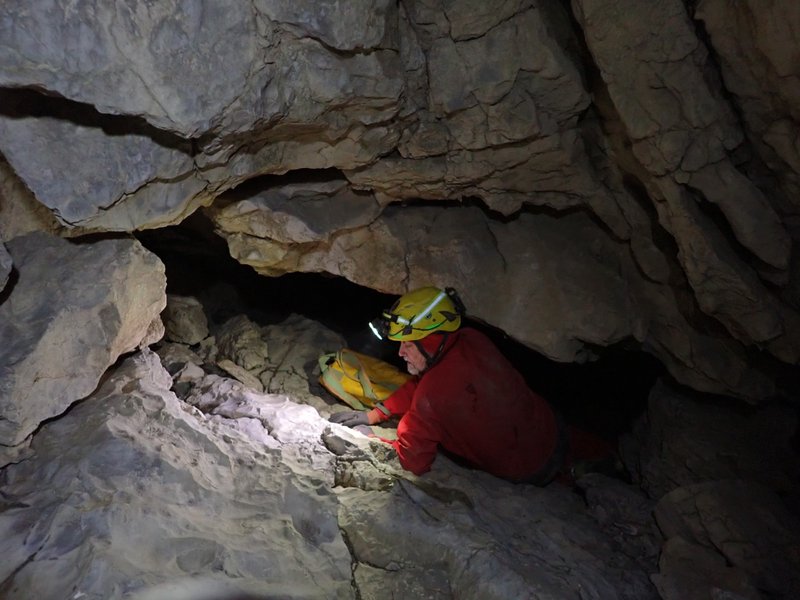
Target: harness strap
383, 409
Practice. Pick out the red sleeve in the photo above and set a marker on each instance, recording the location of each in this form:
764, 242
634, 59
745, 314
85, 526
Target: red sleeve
418, 436
400, 401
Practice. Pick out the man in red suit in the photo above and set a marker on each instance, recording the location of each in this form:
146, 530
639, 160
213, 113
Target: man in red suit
465, 397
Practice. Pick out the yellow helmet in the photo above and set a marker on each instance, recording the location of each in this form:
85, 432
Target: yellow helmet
420, 313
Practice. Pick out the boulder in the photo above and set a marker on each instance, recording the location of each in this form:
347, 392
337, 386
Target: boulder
241, 374
239, 340
185, 321
75, 308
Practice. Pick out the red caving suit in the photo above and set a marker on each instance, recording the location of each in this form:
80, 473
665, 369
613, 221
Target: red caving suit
476, 405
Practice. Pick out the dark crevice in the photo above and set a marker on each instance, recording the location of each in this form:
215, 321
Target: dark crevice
301, 177
309, 177
495, 215
94, 237
11, 282
19, 103
353, 563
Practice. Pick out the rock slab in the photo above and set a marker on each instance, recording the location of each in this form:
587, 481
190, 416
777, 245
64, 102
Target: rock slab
75, 308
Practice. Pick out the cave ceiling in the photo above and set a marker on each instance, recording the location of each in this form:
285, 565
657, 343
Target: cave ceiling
585, 174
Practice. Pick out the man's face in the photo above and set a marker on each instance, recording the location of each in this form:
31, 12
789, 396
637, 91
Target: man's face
415, 361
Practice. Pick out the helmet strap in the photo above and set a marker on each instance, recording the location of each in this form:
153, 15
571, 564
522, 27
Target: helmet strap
432, 360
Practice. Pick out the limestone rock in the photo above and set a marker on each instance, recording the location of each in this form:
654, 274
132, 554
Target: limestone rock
746, 525
391, 526
245, 501
245, 493
726, 288
678, 148
239, 340
479, 258
476, 553
163, 496
682, 442
175, 356
133, 60
682, 132
292, 366
237, 71
153, 334
120, 179
241, 374
298, 214
185, 320
73, 311
246, 63
625, 514
548, 171
751, 47
20, 212
345, 26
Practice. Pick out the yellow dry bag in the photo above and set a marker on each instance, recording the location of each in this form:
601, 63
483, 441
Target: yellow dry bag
358, 379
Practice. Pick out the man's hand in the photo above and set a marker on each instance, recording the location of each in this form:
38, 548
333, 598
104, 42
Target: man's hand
350, 418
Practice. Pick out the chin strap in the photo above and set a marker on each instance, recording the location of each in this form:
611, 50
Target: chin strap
432, 360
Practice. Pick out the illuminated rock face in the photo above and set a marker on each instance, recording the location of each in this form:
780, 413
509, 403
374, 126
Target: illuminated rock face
147, 490
610, 175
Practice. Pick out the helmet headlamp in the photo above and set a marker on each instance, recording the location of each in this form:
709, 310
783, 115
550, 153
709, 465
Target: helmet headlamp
418, 314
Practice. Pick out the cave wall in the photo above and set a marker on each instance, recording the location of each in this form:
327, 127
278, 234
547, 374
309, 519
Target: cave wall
585, 174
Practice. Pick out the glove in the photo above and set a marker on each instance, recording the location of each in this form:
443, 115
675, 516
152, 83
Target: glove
364, 430
350, 418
